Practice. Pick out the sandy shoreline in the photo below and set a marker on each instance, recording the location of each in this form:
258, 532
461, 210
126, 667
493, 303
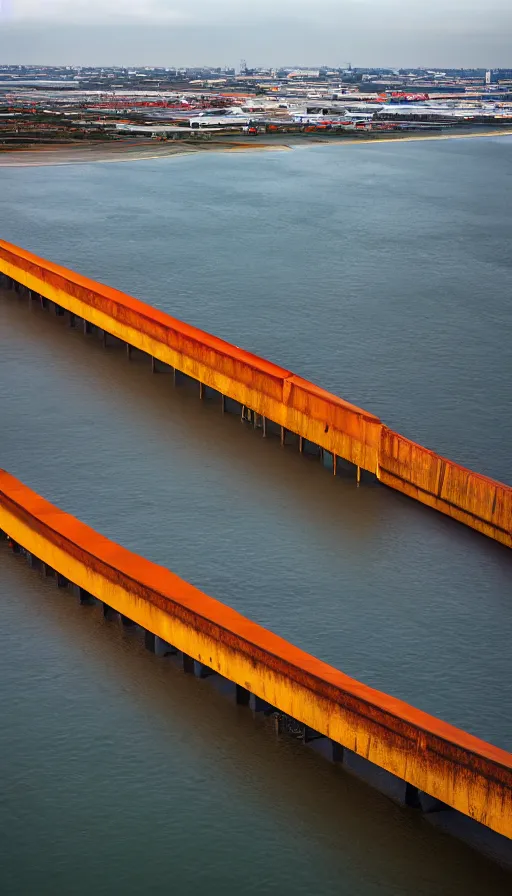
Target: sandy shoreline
133, 152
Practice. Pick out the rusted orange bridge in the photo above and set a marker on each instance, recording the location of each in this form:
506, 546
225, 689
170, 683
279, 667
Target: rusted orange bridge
428, 756
268, 394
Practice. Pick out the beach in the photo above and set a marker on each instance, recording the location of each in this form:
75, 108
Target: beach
134, 151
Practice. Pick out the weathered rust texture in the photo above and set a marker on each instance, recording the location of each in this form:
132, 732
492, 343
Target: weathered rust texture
476, 500
315, 414
275, 394
460, 770
271, 391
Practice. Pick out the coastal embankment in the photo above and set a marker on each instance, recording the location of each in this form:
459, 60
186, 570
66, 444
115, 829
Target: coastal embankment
135, 151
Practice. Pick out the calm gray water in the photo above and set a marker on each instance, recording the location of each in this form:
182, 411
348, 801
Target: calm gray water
381, 272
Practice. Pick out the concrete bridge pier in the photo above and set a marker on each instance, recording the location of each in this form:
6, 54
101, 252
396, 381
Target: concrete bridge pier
126, 621
242, 696
149, 641
203, 671
336, 752
163, 648
33, 561
188, 664
157, 645
257, 704
411, 796
62, 582
84, 597
430, 804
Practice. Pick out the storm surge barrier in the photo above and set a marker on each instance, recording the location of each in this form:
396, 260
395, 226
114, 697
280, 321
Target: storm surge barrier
268, 393
427, 755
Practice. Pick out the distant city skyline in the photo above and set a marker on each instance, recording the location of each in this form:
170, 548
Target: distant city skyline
394, 33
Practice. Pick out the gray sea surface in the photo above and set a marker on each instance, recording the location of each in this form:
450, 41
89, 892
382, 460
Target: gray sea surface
381, 272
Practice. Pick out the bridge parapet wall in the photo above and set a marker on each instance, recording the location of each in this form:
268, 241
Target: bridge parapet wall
477, 500
271, 391
456, 768
276, 393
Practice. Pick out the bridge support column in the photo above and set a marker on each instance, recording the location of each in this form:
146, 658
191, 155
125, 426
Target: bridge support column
87, 327
358, 475
108, 612
149, 641
62, 582
283, 436
334, 464
310, 735
430, 804
204, 671
84, 596
105, 338
242, 696
201, 391
337, 751
128, 351
257, 704
153, 364
188, 664
163, 648
48, 570
301, 444
34, 561
411, 796
126, 621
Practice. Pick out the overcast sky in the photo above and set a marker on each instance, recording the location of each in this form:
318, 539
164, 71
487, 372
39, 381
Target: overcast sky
264, 32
